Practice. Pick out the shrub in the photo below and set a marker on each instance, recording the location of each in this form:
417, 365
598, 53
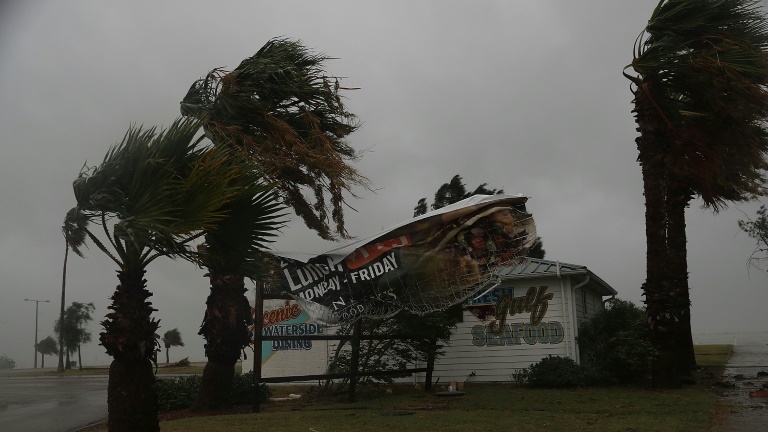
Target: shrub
392, 354
242, 390
615, 344
6, 362
520, 376
179, 393
554, 371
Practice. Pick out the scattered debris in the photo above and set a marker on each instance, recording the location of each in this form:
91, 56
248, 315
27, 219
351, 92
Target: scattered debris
725, 384
291, 396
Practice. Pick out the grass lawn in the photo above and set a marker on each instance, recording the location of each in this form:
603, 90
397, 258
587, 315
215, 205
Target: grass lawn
483, 408
712, 355
486, 408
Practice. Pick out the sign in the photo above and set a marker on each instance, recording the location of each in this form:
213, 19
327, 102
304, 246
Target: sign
286, 320
423, 265
498, 332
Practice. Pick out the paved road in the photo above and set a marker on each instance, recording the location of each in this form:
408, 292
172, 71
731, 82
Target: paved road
51, 404
747, 414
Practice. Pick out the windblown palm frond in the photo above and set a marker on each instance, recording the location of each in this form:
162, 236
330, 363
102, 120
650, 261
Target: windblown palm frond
234, 246
74, 229
288, 116
158, 191
704, 67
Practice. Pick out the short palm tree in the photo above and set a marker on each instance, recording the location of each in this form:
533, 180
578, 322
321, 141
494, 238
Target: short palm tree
232, 251
700, 105
171, 338
153, 195
46, 347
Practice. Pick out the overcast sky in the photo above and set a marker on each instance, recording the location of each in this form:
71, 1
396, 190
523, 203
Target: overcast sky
526, 96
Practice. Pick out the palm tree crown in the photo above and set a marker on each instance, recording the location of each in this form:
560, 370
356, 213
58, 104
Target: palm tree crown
703, 68
288, 116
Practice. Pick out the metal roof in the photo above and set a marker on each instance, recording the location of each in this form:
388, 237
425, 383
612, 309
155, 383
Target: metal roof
534, 267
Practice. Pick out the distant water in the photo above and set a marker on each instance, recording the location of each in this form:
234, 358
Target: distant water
734, 338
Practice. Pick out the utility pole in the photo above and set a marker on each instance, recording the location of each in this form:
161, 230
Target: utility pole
37, 304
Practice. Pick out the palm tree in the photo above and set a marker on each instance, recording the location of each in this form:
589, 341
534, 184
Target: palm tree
46, 347
74, 238
287, 117
72, 330
700, 106
231, 252
171, 338
153, 195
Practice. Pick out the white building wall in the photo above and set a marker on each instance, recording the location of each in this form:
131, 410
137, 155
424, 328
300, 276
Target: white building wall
473, 351
588, 303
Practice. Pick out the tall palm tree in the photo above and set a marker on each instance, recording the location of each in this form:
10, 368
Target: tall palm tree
287, 116
171, 338
153, 195
700, 106
74, 238
46, 347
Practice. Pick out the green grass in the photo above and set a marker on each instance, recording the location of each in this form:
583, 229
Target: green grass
712, 355
483, 408
487, 408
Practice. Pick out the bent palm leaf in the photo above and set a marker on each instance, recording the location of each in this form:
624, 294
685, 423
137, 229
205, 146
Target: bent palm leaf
288, 116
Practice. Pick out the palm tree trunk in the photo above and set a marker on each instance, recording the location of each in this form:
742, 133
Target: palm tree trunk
655, 289
68, 364
225, 329
129, 338
677, 201
61, 313
42, 361
79, 359
167, 356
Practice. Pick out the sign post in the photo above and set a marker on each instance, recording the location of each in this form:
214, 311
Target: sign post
258, 320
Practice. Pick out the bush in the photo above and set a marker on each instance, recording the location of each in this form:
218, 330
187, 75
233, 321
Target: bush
6, 362
615, 344
179, 393
553, 371
392, 354
242, 390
